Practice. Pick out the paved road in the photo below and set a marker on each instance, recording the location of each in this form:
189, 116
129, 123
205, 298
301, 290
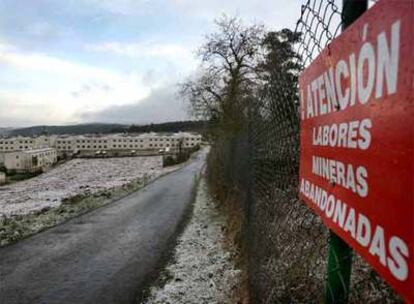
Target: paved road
104, 256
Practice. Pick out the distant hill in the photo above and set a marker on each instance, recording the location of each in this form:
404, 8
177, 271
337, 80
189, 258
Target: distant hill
91, 128
4, 131
175, 126
103, 128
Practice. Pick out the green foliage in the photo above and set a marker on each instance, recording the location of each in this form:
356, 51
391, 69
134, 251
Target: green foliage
11, 172
182, 156
35, 161
169, 161
175, 126
22, 176
70, 129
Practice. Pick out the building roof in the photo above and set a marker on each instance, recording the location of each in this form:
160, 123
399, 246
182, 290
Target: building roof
113, 135
38, 150
31, 151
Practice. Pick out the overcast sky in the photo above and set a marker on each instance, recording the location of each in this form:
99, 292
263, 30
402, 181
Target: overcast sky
76, 61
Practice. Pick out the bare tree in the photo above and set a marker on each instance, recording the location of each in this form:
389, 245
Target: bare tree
220, 93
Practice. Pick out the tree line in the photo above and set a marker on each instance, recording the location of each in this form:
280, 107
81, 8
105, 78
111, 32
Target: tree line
241, 68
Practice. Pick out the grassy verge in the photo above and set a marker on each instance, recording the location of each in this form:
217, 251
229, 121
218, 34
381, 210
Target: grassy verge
15, 228
160, 274
235, 242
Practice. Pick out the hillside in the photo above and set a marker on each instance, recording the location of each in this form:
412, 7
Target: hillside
175, 126
4, 131
69, 129
102, 128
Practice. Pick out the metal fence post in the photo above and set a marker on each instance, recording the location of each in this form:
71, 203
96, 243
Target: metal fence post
352, 10
339, 270
340, 254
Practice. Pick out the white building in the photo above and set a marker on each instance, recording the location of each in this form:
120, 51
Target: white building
109, 143
30, 160
20, 143
119, 142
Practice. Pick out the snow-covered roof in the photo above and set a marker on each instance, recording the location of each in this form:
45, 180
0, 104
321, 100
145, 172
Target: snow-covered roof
140, 135
38, 150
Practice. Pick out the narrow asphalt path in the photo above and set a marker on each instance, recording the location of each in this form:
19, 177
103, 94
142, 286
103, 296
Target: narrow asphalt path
104, 256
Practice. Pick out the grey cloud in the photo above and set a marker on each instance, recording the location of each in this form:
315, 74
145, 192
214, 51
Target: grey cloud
161, 106
87, 88
149, 77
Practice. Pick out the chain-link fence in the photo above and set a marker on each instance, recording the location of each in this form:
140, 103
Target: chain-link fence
287, 242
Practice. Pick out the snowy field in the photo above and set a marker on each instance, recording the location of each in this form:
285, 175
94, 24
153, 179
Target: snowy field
76, 177
204, 269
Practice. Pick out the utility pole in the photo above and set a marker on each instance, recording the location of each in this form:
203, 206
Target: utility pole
340, 253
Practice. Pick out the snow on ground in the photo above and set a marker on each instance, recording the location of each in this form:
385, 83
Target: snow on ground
76, 177
203, 270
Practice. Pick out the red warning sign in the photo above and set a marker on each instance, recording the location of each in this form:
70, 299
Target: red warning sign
357, 137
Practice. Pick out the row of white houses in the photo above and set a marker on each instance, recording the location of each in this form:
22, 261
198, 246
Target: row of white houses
32, 154
30, 160
113, 142
26, 143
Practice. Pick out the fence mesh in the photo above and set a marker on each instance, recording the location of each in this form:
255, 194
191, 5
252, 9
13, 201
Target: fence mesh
288, 243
